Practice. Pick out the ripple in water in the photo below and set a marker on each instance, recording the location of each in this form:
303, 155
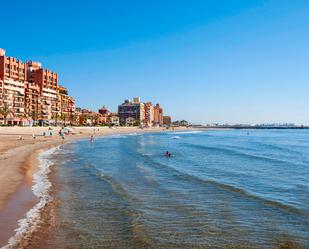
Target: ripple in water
221, 189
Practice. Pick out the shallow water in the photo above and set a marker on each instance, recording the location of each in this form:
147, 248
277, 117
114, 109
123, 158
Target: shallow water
220, 189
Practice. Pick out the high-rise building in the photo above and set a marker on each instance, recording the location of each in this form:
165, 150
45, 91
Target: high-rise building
48, 84
149, 114
158, 115
13, 74
131, 112
31, 92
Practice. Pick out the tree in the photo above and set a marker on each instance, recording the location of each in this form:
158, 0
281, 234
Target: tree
34, 115
55, 116
63, 117
5, 111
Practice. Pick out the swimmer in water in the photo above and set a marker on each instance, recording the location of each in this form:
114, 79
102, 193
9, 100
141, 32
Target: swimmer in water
168, 154
91, 138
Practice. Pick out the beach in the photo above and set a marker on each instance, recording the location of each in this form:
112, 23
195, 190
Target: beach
19, 149
219, 189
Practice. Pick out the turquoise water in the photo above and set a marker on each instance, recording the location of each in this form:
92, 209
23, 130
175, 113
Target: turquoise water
220, 189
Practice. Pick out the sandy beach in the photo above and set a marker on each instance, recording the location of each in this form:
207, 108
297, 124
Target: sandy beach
18, 163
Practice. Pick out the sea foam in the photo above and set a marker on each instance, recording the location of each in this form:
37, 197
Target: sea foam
41, 189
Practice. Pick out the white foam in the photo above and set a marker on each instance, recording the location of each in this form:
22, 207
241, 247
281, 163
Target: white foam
184, 132
41, 189
134, 134
117, 136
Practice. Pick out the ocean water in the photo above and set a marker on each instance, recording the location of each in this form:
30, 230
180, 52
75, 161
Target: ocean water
220, 189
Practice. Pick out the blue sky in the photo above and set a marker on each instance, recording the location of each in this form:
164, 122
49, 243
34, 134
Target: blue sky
240, 61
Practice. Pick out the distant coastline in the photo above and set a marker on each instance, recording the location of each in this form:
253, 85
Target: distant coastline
247, 127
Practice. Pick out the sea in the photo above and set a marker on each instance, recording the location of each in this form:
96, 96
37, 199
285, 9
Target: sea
219, 189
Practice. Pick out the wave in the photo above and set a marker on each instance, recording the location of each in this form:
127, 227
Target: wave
239, 153
41, 189
183, 132
136, 225
227, 187
116, 187
134, 134
117, 136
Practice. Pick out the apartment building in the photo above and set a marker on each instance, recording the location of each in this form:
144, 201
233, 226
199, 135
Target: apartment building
31, 92
131, 112
157, 115
66, 105
48, 84
13, 74
32, 101
149, 114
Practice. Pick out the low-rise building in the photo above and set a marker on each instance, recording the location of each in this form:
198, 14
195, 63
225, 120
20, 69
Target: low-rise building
167, 120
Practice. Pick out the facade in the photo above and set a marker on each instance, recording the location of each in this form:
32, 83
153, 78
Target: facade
31, 93
167, 120
158, 115
67, 106
87, 117
131, 112
48, 84
32, 101
13, 74
149, 114
113, 119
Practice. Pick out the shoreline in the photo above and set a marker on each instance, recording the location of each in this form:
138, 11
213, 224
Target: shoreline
21, 161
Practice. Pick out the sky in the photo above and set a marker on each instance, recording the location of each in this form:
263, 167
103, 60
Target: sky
218, 61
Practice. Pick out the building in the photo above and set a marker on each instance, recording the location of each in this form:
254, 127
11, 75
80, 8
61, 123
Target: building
104, 111
32, 101
149, 114
167, 120
48, 84
158, 115
113, 119
67, 106
131, 112
31, 93
13, 75
87, 117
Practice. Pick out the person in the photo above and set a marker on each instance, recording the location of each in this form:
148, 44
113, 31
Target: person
91, 138
167, 154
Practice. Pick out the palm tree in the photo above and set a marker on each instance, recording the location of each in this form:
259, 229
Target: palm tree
34, 116
73, 118
63, 117
5, 111
55, 117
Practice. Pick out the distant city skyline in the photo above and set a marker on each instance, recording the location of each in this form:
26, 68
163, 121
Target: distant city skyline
204, 61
